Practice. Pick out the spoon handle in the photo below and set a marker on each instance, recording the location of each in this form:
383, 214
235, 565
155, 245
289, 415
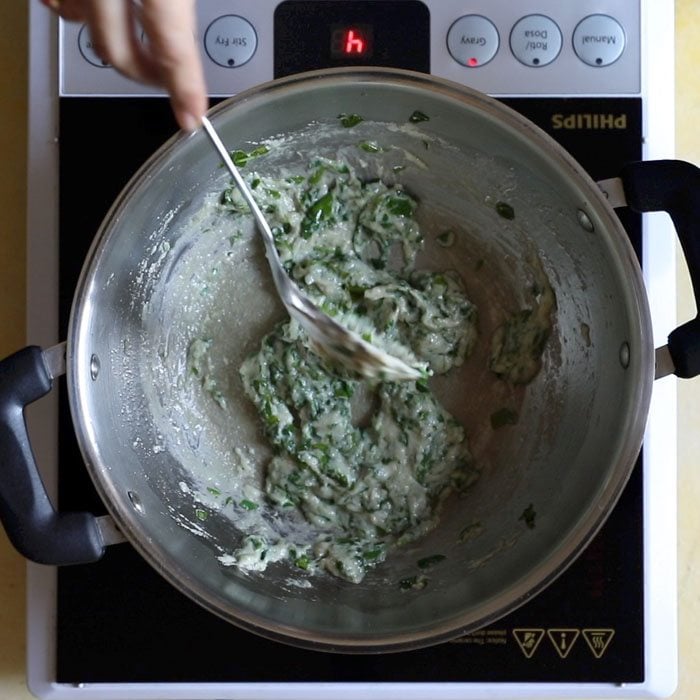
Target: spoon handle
243, 189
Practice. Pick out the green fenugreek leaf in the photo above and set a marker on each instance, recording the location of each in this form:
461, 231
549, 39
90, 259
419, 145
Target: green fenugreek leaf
350, 120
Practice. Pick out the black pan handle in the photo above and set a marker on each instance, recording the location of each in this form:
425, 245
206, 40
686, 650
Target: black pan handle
673, 186
34, 527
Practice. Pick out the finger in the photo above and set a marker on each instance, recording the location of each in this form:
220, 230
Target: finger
114, 34
71, 10
170, 26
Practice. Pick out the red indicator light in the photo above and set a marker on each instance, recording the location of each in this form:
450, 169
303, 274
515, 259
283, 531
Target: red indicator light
354, 43
473, 62
351, 42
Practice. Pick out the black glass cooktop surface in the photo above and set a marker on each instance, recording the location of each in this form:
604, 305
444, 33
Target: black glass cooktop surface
119, 621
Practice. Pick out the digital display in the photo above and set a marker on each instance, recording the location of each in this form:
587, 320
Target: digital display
317, 34
352, 41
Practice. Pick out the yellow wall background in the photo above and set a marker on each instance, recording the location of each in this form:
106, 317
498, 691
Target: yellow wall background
13, 176
688, 148
13, 97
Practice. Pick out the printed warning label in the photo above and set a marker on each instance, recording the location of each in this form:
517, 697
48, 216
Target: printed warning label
487, 637
528, 640
598, 640
563, 639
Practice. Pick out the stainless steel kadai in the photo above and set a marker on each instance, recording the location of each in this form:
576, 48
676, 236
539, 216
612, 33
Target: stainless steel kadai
147, 443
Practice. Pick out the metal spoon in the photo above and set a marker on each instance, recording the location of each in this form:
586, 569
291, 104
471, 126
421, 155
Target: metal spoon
327, 336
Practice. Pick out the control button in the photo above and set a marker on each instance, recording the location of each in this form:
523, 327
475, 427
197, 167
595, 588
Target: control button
535, 40
87, 49
599, 40
472, 41
230, 41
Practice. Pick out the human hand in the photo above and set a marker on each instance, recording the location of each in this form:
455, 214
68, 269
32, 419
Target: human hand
169, 58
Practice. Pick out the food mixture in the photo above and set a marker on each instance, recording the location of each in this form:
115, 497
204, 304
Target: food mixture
367, 464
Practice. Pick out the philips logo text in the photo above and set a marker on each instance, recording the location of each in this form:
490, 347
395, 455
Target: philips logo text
589, 121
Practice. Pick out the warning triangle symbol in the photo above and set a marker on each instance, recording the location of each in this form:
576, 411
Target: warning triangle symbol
528, 640
563, 639
598, 640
